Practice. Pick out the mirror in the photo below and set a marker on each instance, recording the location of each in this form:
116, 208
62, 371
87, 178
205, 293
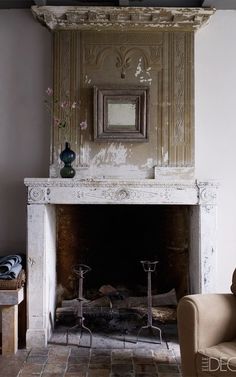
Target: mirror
121, 114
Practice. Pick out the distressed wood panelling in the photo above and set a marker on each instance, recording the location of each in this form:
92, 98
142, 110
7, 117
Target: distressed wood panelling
161, 60
65, 87
180, 91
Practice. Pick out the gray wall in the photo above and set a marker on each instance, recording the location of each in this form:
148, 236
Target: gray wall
25, 73
215, 114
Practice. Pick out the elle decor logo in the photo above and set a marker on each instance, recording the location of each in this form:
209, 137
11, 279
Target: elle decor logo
213, 364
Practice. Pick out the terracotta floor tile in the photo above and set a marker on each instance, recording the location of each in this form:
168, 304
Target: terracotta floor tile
72, 361
164, 368
146, 375
48, 374
99, 373
36, 359
100, 366
79, 351
169, 374
78, 360
145, 368
122, 368
39, 352
143, 360
76, 368
54, 368
32, 368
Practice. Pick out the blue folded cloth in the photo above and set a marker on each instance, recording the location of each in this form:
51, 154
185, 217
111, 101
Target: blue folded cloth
10, 267
9, 261
12, 274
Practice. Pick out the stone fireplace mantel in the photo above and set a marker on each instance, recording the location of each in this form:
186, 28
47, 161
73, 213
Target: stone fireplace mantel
105, 191
44, 194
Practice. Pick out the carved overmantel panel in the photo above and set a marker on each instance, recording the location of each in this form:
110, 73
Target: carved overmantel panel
162, 61
100, 46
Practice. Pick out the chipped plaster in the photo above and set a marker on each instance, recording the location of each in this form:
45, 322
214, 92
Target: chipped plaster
142, 73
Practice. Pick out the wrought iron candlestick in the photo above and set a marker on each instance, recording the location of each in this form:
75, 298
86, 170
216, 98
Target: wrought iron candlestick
150, 267
80, 270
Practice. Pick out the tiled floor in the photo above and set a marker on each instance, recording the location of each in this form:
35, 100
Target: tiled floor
110, 356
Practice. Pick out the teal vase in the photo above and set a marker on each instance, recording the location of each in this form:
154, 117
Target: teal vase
67, 156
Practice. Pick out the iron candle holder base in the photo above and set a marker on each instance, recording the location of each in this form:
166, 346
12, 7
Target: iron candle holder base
80, 270
150, 267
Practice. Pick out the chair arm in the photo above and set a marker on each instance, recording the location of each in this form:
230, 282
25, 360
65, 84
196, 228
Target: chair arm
204, 321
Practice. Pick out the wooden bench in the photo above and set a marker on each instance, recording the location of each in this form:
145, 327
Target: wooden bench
9, 301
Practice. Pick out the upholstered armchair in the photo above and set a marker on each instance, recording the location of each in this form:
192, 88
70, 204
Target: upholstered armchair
207, 334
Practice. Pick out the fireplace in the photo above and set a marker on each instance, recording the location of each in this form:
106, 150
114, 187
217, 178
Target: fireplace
44, 195
151, 49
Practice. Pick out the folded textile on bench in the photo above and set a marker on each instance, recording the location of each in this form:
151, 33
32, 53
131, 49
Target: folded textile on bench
10, 267
13, 284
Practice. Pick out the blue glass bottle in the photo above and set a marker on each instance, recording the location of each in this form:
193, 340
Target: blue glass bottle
67, 156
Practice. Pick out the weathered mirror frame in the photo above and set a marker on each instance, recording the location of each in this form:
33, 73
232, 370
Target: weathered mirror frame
137, 98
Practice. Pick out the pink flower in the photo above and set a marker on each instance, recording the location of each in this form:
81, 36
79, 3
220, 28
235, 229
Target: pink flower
83, 125
74, 104
64, 104
49, 92
56, 122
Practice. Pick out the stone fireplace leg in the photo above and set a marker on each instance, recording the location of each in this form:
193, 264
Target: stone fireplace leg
41, 281
208, 244
203, 243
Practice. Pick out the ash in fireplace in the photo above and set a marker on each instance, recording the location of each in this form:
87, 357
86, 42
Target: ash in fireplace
114, 310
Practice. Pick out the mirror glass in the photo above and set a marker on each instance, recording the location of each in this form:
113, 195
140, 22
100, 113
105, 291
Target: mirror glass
121, 114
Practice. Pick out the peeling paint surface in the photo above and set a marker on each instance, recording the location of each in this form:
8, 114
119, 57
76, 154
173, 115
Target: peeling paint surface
143, 74
87, 80
149, 163
166, 173
115, 154
165, 157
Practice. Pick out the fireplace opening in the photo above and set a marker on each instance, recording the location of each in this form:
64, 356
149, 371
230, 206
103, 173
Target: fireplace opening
112, 240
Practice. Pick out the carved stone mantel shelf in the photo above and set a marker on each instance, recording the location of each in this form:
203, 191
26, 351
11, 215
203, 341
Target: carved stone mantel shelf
121, 18
108, 191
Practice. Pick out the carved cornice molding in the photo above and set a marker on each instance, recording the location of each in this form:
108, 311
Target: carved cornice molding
89, 191
122, 18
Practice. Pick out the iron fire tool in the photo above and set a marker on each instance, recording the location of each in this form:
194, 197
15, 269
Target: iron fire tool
150, 267
80, 270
